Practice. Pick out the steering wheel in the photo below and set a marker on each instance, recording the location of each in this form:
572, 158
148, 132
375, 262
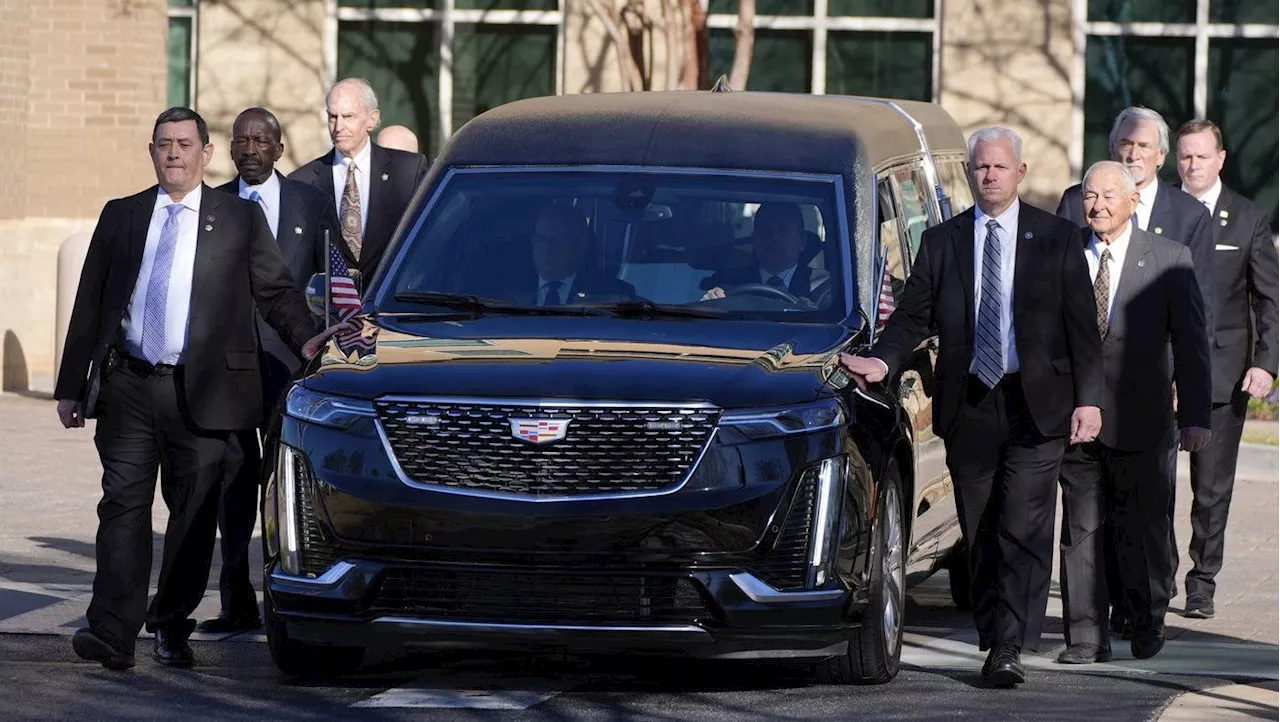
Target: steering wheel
763, 289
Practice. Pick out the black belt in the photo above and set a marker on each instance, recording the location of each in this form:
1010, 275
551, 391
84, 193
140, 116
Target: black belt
144, 368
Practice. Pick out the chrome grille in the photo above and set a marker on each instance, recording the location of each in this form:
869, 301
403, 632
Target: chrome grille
608, 450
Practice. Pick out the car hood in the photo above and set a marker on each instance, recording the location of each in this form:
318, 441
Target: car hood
731, 364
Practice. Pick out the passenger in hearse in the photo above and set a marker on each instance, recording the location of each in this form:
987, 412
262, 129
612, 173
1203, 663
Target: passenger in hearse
560, 244
777, 241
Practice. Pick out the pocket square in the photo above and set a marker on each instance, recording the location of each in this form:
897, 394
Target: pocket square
1225, 247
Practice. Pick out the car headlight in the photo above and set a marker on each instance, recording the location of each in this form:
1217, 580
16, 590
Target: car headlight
786, 420
338, 412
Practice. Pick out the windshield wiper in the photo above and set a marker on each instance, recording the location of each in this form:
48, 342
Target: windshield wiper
480, 304
646, 308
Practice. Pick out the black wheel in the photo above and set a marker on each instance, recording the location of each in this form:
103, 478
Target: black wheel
875, 648
304, 659
958, 571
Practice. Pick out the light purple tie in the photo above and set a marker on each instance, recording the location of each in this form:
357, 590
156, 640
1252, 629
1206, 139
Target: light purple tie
154, 315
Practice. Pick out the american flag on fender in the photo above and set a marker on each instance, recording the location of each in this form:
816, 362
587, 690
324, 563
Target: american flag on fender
886, 298
346, 301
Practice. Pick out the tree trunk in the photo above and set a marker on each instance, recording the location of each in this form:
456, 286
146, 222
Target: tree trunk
697, 66
744, 44
627, 67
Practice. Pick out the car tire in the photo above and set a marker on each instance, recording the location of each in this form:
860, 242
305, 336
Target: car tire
304, 659
875, 648
958, 574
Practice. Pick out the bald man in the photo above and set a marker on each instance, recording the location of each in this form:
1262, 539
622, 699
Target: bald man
370, 186
398, 137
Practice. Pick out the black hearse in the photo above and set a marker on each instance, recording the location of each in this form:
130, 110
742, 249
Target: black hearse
601, 409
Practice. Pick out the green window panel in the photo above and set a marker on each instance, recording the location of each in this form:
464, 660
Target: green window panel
507, 4
880, 64
379, 4
780, 61
1244, 102
881, 8
401, 61
179, 86
1145, 11
1244, 11
496, 64
1122, 71
764, 7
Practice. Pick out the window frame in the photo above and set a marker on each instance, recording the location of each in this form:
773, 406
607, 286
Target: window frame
191, 13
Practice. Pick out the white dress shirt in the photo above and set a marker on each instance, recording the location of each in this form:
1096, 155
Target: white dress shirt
785, 276
362, 160
269, 191
1008, 245
178, 305
1210, 197
566, 284
1093, 256
1146, 202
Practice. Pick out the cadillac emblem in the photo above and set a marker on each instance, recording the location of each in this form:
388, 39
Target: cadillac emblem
539, 431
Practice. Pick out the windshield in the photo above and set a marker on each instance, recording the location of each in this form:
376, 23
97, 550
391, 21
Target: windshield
602, 241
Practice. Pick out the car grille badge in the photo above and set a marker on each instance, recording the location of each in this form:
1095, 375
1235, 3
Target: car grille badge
539, 431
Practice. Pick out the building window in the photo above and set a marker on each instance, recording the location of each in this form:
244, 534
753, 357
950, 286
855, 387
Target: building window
436, 64
1215, 59
182, 53
884, 48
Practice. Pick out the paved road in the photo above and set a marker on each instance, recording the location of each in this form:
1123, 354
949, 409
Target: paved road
48, 488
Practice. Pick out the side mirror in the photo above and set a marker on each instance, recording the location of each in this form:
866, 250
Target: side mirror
316, 295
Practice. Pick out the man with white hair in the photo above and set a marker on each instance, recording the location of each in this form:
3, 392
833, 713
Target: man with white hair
371, 186
1147, 302
1019, 375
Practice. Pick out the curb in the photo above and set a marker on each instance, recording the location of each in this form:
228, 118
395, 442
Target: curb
1229, 703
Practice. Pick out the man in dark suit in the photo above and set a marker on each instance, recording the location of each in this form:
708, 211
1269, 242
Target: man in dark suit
161, 349
777, 240
298, 215
560, 243
1147, 301
1005, 288
1139, 140
370, 199
1244, 364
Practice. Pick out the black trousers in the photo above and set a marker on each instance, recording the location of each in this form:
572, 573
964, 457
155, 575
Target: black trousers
1005, 473
240, 500
1082, 545
142, 429
1117, 583
1213, 476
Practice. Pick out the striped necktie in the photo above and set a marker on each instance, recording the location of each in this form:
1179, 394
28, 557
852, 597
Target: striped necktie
988, 351
155, 307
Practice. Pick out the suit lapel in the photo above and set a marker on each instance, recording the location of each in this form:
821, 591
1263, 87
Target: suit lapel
324, 176
1222, 223
210, 221
1161, 210
962, 246
1133, 277
374, 237
292, 213
139, 221
1026, 243
801, 282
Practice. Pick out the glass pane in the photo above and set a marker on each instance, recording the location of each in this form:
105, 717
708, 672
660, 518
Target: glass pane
895, 65
955, 183
507, 4
1145, 11
911, 188
1125, 71
881, 8
370, 4
1244, 11
1243, 100
179, 62
780, 61
401, 61
764, 7
182, 3
496, 64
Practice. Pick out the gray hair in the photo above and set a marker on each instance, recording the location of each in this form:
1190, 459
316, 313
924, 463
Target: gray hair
1126, 178
370, 97
1138, 112
992, 134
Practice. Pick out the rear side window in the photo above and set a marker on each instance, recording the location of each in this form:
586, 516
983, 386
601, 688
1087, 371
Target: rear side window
954, 176
912, 189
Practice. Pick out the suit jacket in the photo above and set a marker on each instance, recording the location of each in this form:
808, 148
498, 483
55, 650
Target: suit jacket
238, 270
393, 178
1054, 318
1175, 215
1245, 268
800, 286
1157, 304
586, 286
305, 214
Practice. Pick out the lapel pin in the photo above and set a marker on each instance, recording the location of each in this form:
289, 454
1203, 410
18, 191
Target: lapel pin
581, 294
1159, 230
1141, 264
385, 176
297, 230
209, 227
1027, 235
1223, 213
209, 218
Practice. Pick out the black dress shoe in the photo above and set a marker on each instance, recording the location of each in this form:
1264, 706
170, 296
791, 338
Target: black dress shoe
1084, 653
1199, 606
1006, 668
223, 624
89, 645
172, 648
991, 658
1147, 644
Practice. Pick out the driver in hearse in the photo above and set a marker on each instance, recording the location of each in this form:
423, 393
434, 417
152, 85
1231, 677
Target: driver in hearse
777, 240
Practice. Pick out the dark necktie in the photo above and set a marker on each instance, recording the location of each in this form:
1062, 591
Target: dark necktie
349, 214
551, 293
1102, 292
776, 282
988, 351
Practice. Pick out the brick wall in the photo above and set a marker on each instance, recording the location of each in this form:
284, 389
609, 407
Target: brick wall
96, 71
13, 106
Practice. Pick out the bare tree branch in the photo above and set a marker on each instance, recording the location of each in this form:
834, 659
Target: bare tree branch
632, 79
744, 44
